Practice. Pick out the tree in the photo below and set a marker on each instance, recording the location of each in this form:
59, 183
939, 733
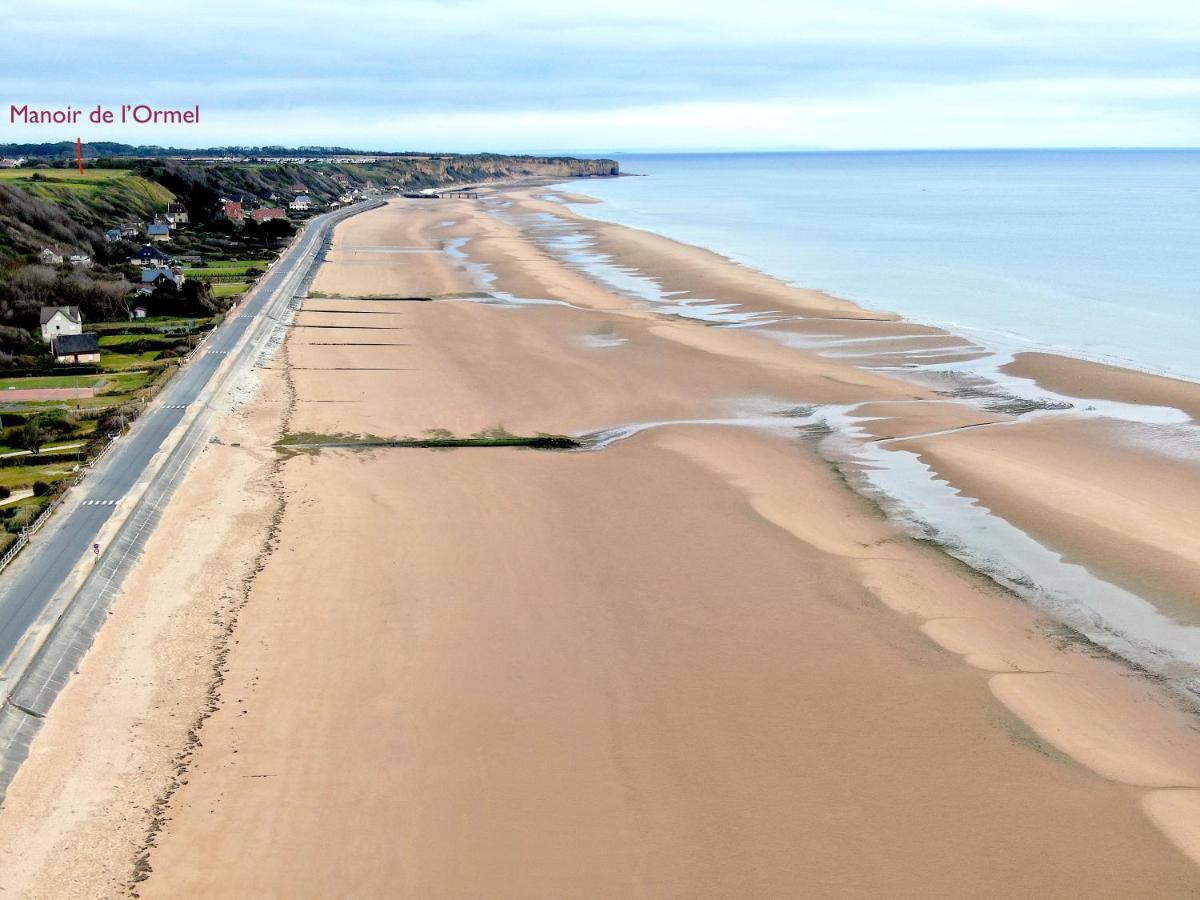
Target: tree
31, 436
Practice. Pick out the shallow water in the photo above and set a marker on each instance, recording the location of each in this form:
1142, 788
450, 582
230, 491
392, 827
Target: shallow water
1095, 253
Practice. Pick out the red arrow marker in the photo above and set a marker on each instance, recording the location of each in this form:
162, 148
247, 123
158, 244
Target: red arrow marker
79, 154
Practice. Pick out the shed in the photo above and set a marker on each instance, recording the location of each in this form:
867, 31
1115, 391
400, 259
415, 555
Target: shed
77, 348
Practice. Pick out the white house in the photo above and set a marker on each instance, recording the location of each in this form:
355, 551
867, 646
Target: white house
81, 260
60, 320
51, 257
158, 231
300, 203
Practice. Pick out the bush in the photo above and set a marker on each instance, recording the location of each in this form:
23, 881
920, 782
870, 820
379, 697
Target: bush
5, 493
40, 489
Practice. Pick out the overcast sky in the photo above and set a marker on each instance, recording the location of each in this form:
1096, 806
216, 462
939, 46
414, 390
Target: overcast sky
617, 75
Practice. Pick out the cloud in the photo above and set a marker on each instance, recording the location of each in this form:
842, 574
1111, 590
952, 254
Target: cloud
365, 72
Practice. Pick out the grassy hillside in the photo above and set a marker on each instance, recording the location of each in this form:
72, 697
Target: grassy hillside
97, 198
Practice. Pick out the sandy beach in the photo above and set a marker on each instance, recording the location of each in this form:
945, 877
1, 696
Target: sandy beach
694, 659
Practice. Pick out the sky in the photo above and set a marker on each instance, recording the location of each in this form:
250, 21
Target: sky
615, 75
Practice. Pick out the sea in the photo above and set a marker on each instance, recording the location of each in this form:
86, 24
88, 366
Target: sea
1090, 253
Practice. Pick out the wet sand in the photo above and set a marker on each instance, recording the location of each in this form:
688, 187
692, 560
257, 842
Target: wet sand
690, 664
1090, 380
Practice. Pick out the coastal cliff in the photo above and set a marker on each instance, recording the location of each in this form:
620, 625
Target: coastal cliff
436, 171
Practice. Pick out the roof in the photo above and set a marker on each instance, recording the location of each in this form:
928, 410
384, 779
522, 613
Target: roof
148, 252
158, 228
71, 312
273, 212
76, 343
151, 275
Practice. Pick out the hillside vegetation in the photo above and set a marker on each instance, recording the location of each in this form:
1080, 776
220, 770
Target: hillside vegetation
48, 203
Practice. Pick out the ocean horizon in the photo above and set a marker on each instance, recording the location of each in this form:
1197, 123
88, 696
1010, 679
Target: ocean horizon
1087, 252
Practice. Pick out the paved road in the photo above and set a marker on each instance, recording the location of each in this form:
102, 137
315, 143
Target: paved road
50, 558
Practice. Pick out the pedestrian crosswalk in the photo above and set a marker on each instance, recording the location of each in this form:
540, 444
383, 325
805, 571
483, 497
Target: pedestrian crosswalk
219, 352
175, 406
100, 502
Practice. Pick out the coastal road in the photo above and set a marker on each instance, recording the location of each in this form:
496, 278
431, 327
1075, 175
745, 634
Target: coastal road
44, 572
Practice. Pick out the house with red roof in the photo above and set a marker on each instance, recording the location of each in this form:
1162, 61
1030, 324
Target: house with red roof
268, 213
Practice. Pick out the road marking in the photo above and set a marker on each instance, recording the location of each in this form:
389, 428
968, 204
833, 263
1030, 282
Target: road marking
175, 406
219, 352
100, 502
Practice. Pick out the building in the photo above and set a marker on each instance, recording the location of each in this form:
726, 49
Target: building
60, 320
156, 275
268, 213
148, 254
177, 214
232, 209
113, 235
11, 163
298, 188
80, 260
51, 257
132, 229
158, 231
139, 312
76, 348
300, 203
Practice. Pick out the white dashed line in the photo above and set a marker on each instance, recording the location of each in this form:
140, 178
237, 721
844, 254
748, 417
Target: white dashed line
175, 406
100, 502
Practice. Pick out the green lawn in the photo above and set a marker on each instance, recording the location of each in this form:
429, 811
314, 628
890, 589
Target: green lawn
106, 329
226, 267
125, 382
118, 362
49, 381
230, 289
16, 478
118, 340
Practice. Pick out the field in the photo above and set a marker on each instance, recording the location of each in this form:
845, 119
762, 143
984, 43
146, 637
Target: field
226, 268
229, 278
164, 324
50, 381
64, 175
108, 184
230, 289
